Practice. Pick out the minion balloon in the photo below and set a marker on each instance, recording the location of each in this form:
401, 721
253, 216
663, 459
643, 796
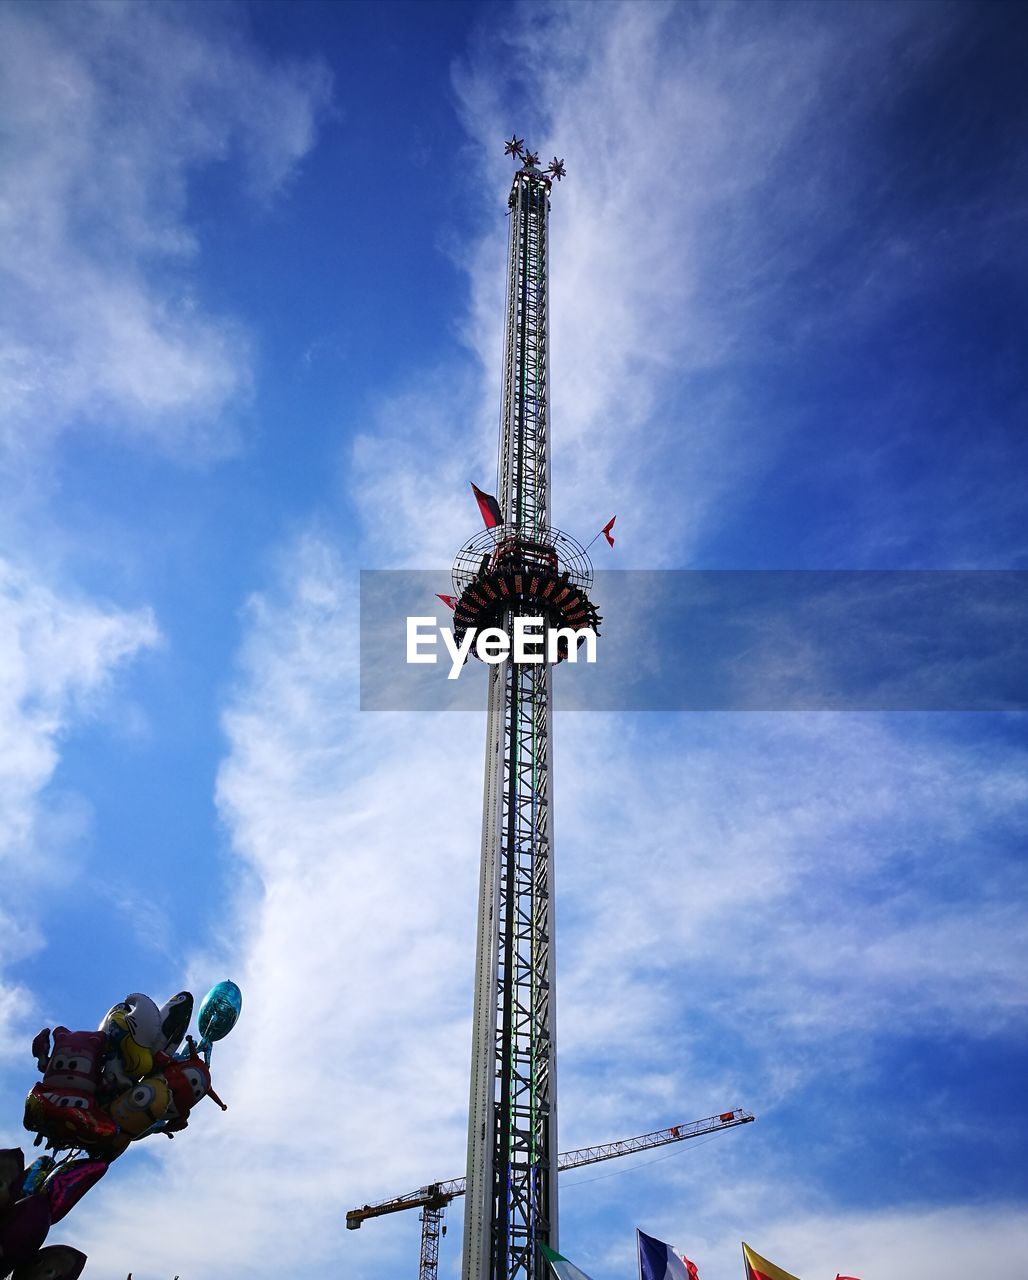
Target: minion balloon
101, 1092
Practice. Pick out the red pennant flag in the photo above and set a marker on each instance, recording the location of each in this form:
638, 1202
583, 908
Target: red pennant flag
838, 1277
607, 528
489, 507
451, 602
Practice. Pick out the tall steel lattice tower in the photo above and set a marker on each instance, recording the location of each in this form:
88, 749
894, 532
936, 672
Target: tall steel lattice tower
519, 566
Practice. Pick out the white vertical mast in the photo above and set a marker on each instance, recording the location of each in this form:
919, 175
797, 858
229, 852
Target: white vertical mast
512, 1125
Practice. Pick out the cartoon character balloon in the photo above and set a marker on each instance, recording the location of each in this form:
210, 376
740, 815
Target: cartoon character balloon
175, 1015
65, 1107
100, 1092
133, 1031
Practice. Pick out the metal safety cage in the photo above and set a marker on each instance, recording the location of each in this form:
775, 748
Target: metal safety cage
547, 548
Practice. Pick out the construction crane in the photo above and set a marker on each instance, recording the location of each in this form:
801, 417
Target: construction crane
433, 1198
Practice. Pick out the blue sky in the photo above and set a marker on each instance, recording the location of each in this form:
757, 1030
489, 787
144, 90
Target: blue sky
249, 345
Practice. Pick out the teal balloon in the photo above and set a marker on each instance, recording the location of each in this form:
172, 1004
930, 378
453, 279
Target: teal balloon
219, 1010
36, 1174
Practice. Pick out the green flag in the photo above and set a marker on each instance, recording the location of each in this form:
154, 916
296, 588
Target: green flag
560, 1266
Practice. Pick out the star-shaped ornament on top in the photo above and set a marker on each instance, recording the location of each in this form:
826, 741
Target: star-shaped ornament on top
514, 147
531, 159
556, 169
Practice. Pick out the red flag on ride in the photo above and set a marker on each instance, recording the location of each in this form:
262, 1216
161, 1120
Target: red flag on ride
450, 601
607, 528
488, 506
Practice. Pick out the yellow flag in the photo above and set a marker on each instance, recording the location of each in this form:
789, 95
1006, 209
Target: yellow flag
758, 1268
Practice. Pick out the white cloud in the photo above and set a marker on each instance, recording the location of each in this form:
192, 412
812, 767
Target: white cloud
827, 874
362, 877
667, 142
356, 836
945, 1243
703, 147
58, 656
112, 110
410, 480
356, 842
716, 156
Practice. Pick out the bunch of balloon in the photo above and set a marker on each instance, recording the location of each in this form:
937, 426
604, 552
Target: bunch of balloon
140, 1073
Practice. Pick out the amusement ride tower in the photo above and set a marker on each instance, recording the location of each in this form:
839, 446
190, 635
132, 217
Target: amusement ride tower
520, 566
